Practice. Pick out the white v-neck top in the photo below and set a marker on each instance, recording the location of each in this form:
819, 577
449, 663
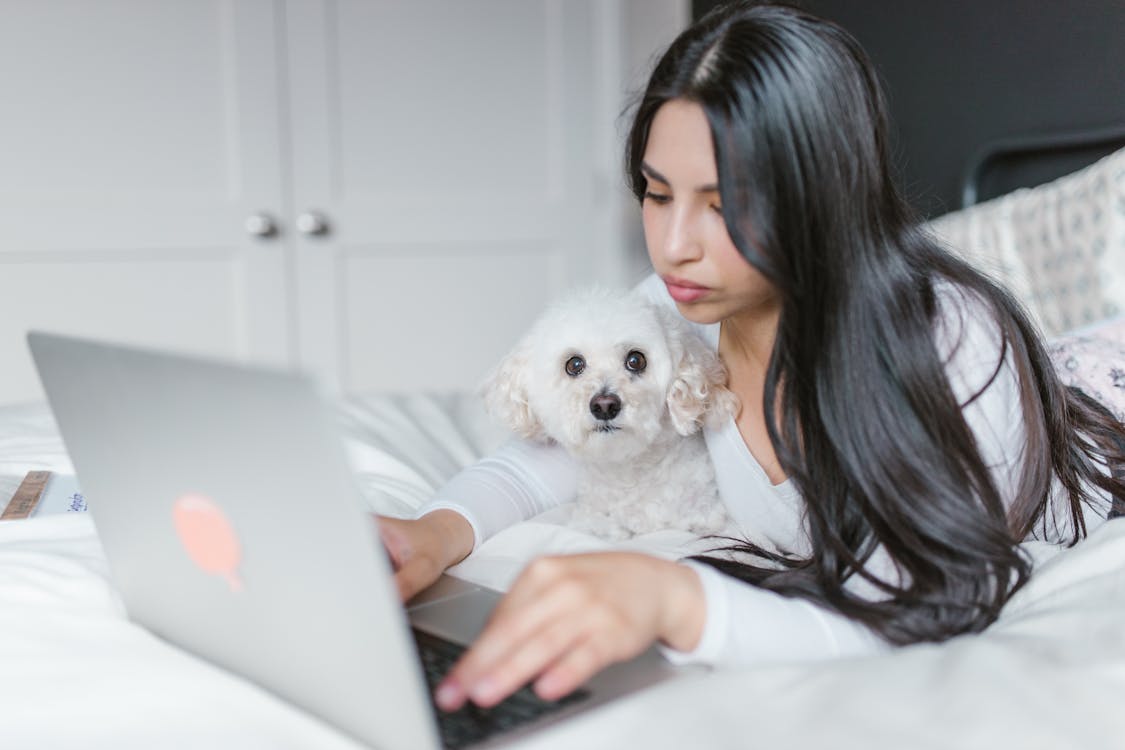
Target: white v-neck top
745, 624
774, 520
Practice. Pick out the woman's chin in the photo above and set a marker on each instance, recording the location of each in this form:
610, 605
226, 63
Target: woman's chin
700, 313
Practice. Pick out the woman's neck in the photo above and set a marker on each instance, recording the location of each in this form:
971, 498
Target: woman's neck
745, 346
746, 340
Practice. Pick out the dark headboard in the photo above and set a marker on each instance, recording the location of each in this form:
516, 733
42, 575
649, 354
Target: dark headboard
962, 75
1004, 165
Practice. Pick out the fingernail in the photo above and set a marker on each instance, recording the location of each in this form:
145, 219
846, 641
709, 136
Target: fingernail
547, 687
448, 695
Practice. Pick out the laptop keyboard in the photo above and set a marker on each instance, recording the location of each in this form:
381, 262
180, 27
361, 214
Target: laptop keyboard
471, 723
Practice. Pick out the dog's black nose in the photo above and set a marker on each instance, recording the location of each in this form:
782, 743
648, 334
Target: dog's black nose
605, 406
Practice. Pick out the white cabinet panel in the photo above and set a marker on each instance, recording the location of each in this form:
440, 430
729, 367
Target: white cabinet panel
424, 320
459, 104
130, 299
454, 143
96, 94
137, 137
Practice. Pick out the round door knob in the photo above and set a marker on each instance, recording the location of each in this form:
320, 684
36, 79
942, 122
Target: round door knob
260, 225
312, 223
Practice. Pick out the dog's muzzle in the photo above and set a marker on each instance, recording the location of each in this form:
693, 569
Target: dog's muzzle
605, 406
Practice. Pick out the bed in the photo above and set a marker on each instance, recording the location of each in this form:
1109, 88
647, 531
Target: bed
1050, 673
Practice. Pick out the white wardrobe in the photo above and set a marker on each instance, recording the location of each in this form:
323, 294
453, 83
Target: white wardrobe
382, 192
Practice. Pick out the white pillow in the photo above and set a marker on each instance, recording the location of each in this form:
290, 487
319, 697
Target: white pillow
1059, 247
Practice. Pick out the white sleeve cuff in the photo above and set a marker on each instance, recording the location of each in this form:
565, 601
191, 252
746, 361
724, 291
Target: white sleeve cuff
747, 625
520, 480
461, 510
715, 624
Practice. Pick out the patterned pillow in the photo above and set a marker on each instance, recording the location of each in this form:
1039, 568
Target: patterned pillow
1059, 247
1094, 360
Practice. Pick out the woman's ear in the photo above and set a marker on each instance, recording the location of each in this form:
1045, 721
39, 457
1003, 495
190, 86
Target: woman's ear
698, 394
506, 396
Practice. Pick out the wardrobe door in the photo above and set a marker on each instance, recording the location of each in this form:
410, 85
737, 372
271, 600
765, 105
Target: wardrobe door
140, 171
451, 163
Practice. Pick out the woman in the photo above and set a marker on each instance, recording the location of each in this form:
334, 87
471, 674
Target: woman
901, 429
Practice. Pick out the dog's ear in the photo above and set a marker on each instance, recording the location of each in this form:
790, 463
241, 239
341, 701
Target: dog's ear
698, 394
506, 397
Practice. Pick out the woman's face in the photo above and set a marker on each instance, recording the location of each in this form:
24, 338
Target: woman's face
686, 236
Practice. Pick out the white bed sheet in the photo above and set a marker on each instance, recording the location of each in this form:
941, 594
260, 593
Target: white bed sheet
74, 672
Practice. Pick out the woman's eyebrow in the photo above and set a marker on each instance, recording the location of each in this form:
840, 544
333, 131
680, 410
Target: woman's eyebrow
652, 174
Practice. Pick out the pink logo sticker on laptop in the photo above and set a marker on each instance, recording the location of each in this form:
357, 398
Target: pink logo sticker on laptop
207, 535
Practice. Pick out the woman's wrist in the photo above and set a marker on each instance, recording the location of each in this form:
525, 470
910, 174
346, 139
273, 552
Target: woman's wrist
685, 612
454, 533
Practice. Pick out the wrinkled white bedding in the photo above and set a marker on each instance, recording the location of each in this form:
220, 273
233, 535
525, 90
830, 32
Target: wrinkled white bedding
74, 672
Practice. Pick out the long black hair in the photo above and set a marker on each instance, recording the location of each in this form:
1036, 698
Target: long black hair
858, 405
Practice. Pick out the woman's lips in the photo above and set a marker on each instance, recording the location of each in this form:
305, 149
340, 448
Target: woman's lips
685, 291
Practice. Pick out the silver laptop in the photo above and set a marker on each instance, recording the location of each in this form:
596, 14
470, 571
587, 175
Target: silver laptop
233, 528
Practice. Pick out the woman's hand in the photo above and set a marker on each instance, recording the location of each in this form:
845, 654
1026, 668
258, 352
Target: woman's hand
421, 550
566, 618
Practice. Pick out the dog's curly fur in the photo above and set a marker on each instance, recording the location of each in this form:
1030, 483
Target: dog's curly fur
643, 461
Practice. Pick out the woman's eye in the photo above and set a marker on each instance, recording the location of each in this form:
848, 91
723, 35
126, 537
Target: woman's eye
635, 362
657, 197
574, 366
718, 210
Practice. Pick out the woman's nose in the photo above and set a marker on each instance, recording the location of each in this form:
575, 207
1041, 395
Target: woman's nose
681, 241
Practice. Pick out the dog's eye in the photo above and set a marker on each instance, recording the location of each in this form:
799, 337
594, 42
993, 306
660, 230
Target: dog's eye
575, 366
635, 362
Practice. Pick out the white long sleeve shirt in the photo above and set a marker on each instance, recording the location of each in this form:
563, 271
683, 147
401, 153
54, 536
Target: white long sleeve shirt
745, 624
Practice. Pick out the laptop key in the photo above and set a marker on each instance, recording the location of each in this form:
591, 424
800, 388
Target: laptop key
472, 723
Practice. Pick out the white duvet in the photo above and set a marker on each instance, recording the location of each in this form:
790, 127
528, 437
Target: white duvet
74, 672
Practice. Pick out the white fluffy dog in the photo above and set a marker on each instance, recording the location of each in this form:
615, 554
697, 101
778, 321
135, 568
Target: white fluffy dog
625, 386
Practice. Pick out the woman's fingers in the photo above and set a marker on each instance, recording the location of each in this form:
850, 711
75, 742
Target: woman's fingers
578, 664
565, 619
414, 552
395, 539
523, 663
414, 575
563, 654
529, 628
